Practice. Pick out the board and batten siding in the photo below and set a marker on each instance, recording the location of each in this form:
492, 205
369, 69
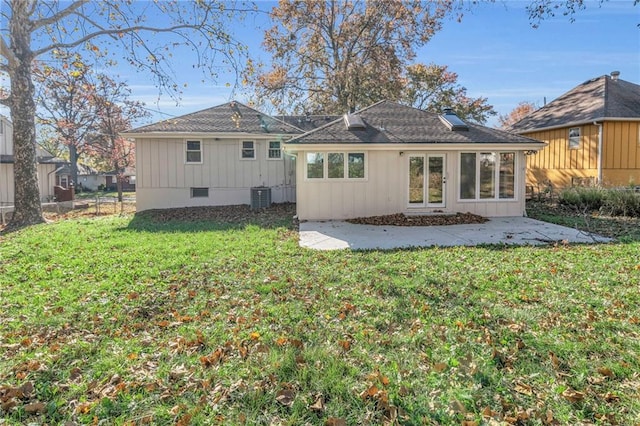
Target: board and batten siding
46, 181
385, 190
561, 165
164, 179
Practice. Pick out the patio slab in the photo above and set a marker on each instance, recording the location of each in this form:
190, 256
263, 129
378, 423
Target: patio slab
335, 235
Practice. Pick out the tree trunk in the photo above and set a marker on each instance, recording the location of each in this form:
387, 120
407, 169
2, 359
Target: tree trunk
28, 210
73, 159
119, 178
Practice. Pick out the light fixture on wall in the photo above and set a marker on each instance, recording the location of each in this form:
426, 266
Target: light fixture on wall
401, 153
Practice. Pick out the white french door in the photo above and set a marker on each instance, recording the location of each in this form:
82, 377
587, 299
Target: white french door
427, 180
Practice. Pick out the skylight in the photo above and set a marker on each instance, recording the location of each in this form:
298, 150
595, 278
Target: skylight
452, 121
354, 122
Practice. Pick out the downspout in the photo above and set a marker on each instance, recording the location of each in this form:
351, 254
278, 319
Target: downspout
595, 123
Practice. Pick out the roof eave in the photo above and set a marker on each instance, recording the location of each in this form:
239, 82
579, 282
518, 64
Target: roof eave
575, 123
429, 146
203, 135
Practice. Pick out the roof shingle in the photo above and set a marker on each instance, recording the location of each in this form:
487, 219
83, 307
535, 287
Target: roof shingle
596, 99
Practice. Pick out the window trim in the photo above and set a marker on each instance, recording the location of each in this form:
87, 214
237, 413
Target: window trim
193, 189
574, 144
269, 149
345, 166
254, 149
496, 177
187, 151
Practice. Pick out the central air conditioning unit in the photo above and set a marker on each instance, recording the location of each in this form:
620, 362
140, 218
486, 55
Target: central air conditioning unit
260, 197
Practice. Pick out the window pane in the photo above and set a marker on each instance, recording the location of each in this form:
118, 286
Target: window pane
507, 175
467, 176
487, 175
199, 192
416, 180
194, 157
315, 165
356, 165
574, 137
193, 145
336, 165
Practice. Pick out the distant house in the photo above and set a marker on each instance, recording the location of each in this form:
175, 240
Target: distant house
128, 180
593, 135
88, 177
47, 165
213, 157
390, 158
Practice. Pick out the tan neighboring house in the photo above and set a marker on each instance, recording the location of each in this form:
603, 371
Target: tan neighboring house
47, 165
390, 158
593, 136
218, 156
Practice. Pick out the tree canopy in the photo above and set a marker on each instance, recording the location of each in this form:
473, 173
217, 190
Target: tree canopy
149, 33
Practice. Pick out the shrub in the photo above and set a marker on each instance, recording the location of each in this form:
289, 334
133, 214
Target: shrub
622, 202
588, 199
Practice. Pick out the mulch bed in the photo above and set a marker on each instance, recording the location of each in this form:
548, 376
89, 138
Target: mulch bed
237, 214
401, 219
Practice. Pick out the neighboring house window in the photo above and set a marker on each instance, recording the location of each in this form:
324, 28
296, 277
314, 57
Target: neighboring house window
315, 165
574, 138
248, 150
194, 152
487, 175
339, 165
199, 192
275, 151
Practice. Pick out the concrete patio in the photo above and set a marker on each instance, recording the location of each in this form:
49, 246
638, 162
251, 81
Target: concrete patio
335, 235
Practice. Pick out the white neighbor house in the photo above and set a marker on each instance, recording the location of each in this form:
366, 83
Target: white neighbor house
384, 159
47, 164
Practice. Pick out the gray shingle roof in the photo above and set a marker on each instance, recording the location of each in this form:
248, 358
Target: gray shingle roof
596, 99
42, 157
392, 123
232, 117
307, 122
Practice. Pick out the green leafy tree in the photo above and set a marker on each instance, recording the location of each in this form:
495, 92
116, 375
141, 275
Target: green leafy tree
147, 32
433, 87
331, 56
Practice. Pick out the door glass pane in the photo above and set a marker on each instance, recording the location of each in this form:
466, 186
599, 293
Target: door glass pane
416, 180
436, 172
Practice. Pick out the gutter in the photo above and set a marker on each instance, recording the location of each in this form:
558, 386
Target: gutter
595, 123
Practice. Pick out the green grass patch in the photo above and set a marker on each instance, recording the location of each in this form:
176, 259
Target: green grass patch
122, 320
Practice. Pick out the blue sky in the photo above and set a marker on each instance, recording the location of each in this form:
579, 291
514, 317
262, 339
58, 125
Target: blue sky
494, 50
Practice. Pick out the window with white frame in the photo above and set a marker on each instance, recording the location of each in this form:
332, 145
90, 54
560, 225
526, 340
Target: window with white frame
193, 151
199, 192
338, 165
248, 150
275, 150
487, 175
574, 138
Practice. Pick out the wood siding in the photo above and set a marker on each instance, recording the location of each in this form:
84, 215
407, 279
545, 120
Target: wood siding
560, 165
164, 179
46, 181
6, 137
385, 190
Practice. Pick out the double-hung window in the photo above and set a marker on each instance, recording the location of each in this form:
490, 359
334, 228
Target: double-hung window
193, 152
335, 165
275, 150
487, 175
248, 150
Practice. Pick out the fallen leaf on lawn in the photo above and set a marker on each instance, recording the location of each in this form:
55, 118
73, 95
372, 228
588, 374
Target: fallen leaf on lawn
523, 389
286, 397
255, 335
133, 296
35, 408
369, 392
439, 367
318, 406
611, 397
335, 421
457, 407
554, 360
26, 389
344, 344
469, 423
572, 395
605, 371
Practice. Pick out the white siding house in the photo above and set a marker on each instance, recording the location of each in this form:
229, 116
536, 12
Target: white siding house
213, 157
46, 167
389, 158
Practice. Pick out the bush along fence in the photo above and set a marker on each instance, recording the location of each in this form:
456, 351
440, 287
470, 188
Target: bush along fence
612, 202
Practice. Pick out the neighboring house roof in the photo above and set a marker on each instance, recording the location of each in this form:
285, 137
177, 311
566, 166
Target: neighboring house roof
83, 170
388, 122
232, 117
605, 97
42, 157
